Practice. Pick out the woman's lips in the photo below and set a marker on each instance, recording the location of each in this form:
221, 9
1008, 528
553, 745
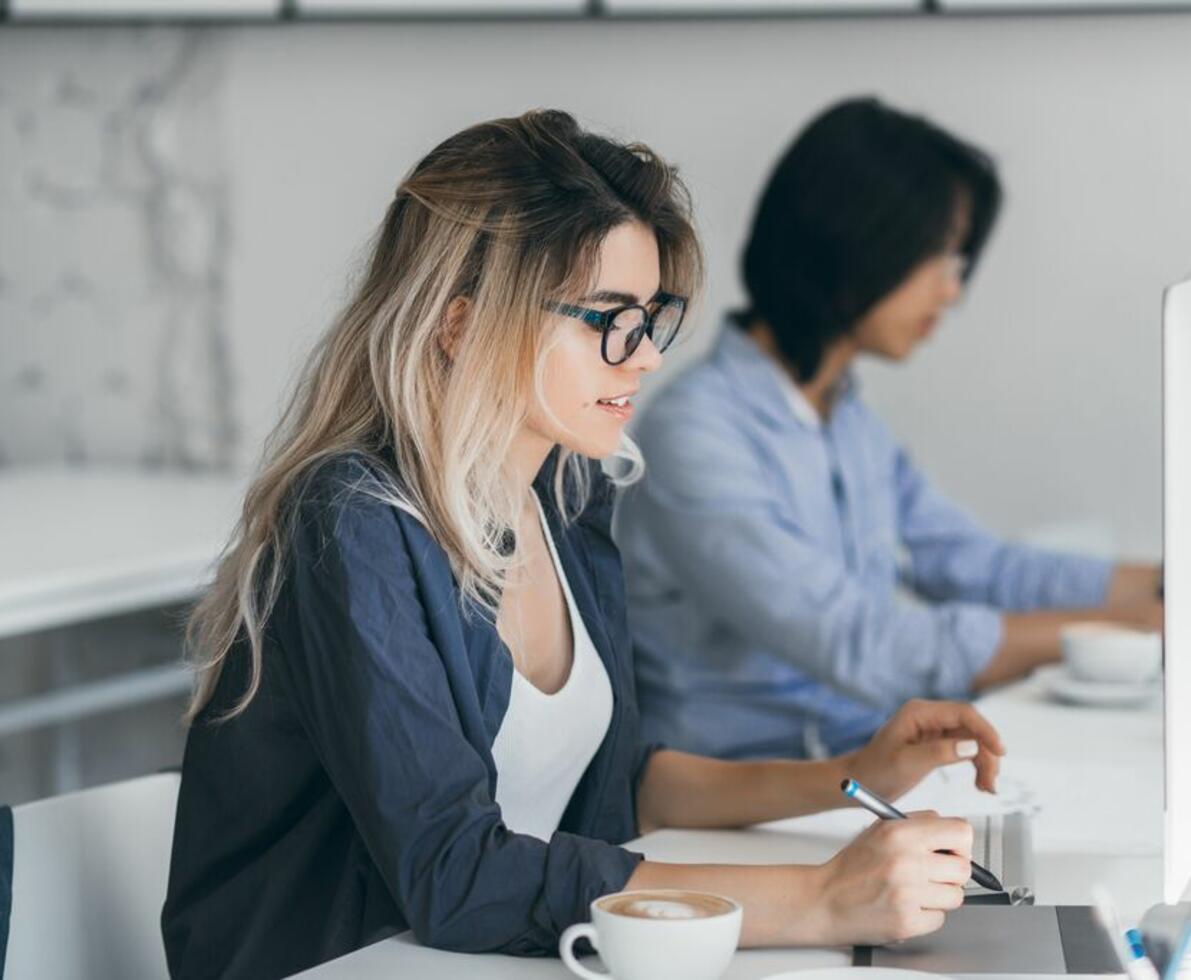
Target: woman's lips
622, 411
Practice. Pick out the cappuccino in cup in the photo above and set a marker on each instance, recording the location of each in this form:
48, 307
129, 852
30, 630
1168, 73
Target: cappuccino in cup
666, 905
664, 934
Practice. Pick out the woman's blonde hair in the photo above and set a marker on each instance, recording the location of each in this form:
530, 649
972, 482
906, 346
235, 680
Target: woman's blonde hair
508, 214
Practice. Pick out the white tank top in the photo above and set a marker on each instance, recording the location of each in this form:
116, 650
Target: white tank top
546, 741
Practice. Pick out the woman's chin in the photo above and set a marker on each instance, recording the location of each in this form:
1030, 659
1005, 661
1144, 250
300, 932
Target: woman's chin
592, 448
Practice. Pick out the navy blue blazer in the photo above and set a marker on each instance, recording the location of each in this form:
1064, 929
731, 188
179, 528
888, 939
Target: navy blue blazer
355, 796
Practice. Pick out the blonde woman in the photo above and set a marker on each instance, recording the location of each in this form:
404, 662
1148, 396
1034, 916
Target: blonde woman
415, 704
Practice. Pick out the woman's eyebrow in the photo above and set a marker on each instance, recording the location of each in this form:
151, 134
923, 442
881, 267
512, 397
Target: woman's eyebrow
613, 296
609, 296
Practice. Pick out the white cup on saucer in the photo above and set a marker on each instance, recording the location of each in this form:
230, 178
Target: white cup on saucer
658, 934
1103, 653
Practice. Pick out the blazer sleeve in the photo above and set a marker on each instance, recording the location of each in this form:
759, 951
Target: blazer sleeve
376, 701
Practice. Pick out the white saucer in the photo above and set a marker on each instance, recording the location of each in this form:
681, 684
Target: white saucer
1071, 690
856, 973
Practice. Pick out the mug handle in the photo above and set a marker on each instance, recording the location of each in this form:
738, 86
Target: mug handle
583, 930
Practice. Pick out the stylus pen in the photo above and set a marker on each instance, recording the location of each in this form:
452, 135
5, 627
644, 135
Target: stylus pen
887, 811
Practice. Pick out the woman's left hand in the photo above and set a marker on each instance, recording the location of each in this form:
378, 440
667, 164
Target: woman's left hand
922, 736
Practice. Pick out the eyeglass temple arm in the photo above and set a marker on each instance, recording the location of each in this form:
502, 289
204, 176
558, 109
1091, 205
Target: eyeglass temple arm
596, 318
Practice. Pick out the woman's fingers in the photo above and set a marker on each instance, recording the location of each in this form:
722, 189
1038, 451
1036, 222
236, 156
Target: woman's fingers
971, 721
929, 719
935, 833
988, 767
926, 921
943, 898
986, 762
940, 733
891, 883
948, 869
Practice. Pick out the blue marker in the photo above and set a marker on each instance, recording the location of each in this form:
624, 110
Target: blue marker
887, 811
1139, 966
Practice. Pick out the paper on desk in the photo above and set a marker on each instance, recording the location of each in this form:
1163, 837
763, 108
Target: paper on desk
1092, 806
1103, 807
1096, 771
950, 790
1089, 806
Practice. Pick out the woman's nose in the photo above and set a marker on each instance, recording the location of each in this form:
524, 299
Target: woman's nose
646, 357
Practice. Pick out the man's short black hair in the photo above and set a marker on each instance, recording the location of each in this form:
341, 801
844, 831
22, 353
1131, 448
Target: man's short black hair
862, 197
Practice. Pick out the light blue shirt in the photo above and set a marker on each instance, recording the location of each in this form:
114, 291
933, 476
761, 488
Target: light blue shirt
764, 551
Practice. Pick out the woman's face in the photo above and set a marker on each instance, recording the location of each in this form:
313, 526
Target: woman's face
908, 315
588, 401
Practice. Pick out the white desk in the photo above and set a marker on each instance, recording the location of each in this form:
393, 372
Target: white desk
83, 544
1053, 752
89, 543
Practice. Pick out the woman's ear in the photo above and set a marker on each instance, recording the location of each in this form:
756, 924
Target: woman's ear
453, 322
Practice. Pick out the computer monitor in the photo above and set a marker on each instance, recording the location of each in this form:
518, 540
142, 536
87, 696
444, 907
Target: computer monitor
1176, 534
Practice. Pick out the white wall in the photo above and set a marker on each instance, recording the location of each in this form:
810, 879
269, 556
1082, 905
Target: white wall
1039, 402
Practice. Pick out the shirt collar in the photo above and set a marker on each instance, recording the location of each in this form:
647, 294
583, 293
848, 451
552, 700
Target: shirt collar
800, 405
762, 380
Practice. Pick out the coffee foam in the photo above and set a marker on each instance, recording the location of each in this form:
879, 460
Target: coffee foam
666, 905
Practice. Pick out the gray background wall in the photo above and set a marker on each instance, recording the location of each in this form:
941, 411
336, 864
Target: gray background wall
269, 156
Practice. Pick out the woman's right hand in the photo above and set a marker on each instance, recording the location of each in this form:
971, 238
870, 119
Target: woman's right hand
891, 884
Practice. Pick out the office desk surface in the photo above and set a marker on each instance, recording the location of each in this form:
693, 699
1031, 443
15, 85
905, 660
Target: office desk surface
82, 544
1091, 776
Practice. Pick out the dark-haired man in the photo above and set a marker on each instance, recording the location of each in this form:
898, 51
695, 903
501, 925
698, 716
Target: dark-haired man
777, 519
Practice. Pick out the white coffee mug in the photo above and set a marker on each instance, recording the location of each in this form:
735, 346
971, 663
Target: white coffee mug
1111, 654
658, 934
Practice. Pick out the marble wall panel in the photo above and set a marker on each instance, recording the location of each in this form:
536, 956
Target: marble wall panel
114, 247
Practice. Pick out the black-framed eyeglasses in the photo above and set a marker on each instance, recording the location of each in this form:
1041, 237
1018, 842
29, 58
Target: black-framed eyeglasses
623, 327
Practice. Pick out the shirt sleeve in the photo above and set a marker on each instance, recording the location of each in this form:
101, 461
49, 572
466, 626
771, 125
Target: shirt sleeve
378, 701
952, 557
726, 536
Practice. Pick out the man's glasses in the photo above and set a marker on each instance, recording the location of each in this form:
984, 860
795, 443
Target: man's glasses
623, 327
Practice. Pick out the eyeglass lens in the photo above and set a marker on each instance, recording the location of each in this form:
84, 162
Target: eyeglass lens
629, 326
